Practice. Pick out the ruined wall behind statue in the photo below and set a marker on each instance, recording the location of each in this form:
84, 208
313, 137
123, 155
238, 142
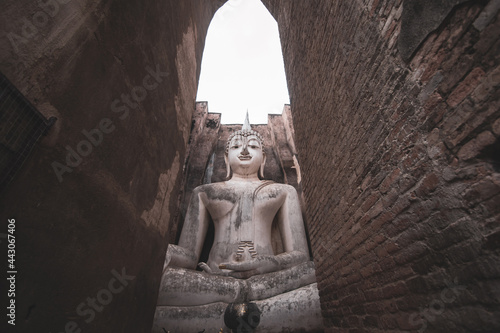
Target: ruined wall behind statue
111, 214
396, 113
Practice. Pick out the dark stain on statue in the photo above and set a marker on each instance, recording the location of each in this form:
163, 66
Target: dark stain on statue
219, 193
237, 223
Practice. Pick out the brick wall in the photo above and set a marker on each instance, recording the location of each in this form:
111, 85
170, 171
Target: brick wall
111, 212
399, 160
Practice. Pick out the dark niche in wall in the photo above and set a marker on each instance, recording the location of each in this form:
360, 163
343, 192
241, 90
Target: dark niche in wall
21, 126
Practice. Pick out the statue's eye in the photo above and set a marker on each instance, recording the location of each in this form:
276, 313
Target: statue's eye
253, 144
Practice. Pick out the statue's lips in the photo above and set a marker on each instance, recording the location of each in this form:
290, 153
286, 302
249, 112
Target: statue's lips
245, 157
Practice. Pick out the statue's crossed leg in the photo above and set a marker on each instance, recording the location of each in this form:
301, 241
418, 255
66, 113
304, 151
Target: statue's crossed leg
184, 287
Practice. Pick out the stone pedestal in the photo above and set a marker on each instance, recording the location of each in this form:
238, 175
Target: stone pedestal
295, 311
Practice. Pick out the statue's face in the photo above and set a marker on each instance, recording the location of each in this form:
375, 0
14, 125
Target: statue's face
245, 155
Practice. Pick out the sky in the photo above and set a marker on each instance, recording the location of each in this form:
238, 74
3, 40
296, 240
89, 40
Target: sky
242, 67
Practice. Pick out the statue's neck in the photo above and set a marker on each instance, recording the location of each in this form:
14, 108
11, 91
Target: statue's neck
244, 178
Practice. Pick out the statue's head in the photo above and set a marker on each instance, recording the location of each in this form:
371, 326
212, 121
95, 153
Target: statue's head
245, 152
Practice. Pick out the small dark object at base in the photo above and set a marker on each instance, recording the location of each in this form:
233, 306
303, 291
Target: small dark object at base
242, 318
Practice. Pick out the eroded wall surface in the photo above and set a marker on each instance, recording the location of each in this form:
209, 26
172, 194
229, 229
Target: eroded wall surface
398, 143
93, 204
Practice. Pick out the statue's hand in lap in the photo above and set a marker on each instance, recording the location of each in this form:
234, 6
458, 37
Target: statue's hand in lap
244, 270
263, 264
259, 265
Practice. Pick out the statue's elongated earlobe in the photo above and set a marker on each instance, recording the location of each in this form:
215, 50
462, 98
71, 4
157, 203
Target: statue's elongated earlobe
228, 168
261, 169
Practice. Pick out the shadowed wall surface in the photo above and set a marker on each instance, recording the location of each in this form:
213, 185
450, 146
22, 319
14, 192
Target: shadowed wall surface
399, 159
130, 70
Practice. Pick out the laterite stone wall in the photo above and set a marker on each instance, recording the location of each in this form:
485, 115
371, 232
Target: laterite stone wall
92, 228
399, 150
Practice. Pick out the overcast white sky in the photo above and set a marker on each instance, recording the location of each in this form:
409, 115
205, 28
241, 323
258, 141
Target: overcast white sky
242, 66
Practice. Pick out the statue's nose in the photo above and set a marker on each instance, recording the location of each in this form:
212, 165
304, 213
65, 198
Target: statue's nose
245, 150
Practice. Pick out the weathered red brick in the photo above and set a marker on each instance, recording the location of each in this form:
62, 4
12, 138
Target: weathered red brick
434, 64
379, 238
491, 205
353, 278
374, 308
390, 306
483, 190
374, 7
390, 247
373, 295
414, 156
462, 66
465, 87
417, 284
370, 321
428, 184
487, 86
368, 203
485, 139
399, 224
496, 127
387, 263
394, 290
380, 220
473, 147
388, 322
410, 253
453, 121
389, 180
453, 234
488, 37
407, 324
406, 182
429, 263
460, 254
353, 298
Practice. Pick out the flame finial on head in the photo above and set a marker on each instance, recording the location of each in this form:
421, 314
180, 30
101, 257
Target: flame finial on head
246, 124
245, 130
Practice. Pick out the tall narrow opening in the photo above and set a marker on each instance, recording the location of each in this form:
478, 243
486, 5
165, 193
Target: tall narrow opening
242, 67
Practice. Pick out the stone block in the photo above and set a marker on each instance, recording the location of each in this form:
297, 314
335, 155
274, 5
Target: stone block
465, 87
496, 127
489, 12
428, 184
411, 252
473, 147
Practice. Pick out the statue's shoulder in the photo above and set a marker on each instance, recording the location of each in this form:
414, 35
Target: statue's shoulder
282, 187
209, 187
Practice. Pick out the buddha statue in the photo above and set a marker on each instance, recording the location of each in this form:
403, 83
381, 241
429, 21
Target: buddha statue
241, 266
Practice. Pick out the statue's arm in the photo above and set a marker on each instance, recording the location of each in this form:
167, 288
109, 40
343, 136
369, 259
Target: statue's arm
293, 235
193, 233
178, 256
292, 229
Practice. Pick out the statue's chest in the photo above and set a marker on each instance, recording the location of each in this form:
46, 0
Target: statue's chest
242, 204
